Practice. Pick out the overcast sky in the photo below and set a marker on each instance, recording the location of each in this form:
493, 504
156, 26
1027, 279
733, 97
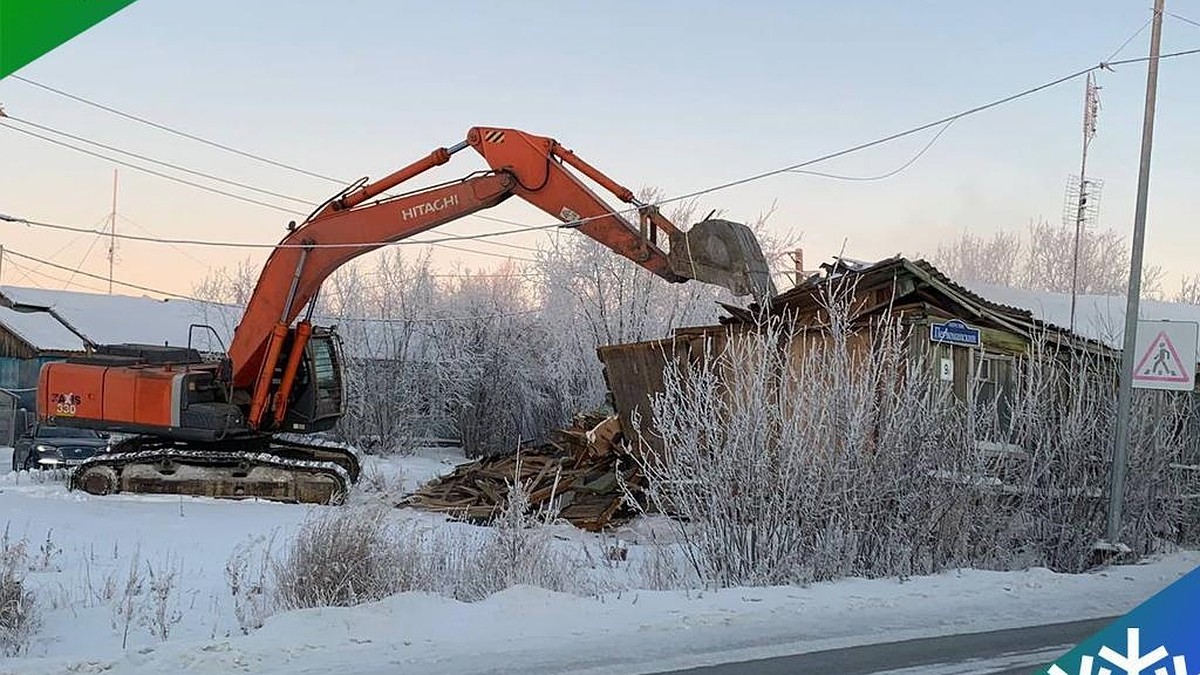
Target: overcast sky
677, 95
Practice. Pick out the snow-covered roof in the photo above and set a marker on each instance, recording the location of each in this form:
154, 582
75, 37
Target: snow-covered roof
1098, 317
42, 330
106, 319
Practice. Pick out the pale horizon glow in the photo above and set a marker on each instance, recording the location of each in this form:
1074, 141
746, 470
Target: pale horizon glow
673, 95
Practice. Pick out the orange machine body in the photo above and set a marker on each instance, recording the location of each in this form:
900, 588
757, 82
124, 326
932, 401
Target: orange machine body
122, 398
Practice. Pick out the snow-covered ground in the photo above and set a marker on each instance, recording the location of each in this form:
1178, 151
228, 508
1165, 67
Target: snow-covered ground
80, 573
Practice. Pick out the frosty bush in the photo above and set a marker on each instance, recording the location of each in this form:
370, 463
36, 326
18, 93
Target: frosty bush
355, 554
339, 558
791, 456
19, 615
519, 551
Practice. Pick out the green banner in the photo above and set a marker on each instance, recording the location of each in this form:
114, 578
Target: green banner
30, 28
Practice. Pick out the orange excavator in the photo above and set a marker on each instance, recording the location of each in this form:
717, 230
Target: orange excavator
235, 426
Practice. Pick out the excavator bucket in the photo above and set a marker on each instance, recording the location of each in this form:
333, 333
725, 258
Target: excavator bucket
724, 253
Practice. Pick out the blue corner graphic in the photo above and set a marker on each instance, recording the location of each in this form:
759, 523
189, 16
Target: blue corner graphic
1159, 637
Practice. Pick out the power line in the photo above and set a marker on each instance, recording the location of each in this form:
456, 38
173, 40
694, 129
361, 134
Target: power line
64, 268
160, 174
1131, 38
160, 162
438, 319
83, 260
171, 242
174, 247
25, 272
1182, 18
236, 183
51, 277
883, 176
917, 129
178, 132
195, 172
256, 245
723, 186
473, 251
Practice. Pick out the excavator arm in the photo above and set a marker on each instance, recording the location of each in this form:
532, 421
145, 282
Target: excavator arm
531, 167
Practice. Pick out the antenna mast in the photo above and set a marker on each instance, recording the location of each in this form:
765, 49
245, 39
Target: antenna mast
112, 234
1079, 193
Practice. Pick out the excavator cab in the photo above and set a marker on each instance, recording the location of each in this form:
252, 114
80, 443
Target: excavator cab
318, 398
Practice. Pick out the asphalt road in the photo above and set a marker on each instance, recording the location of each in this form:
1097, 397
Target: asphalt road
1020, 651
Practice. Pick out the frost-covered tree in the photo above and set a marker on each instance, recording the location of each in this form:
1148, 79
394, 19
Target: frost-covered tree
1042, 259
971, 257
384, 316
1189, 290
494, 354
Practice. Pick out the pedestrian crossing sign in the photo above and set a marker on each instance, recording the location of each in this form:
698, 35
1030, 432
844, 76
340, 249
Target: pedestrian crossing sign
1166, 355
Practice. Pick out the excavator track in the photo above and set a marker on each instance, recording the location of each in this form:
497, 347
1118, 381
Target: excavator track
277, 469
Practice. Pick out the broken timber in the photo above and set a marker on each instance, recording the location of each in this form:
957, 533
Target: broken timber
575, 472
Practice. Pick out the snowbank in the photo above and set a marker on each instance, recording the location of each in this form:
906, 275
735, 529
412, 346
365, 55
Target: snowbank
538, 631
82, 548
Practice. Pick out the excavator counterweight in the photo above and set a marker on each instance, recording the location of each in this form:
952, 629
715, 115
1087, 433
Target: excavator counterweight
217, 428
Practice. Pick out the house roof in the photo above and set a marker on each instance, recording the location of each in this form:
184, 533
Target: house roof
1008, 310
40, 330
1097, 317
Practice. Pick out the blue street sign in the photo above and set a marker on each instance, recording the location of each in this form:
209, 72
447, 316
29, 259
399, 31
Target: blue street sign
954, 332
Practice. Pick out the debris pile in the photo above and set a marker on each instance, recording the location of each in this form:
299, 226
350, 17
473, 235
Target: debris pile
576, 468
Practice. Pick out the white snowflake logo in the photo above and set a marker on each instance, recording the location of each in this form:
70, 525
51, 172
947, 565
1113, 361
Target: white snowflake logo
1133, 662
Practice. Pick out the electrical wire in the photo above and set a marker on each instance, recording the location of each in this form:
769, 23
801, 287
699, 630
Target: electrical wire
1182, 18
917, 129
231, 182
83, 260
126, 284
1104, 65
256, 245
52, 278
25, 272
147, 289
202, 174
160, 174
177, 249
1131, 38
723, 186
178, 132
883, 176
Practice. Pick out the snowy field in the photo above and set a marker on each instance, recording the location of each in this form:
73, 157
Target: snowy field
81, 548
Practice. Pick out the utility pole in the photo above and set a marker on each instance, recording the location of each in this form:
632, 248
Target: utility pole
1125, 392
112, 234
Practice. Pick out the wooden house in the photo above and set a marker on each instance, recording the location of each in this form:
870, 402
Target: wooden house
970, 341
